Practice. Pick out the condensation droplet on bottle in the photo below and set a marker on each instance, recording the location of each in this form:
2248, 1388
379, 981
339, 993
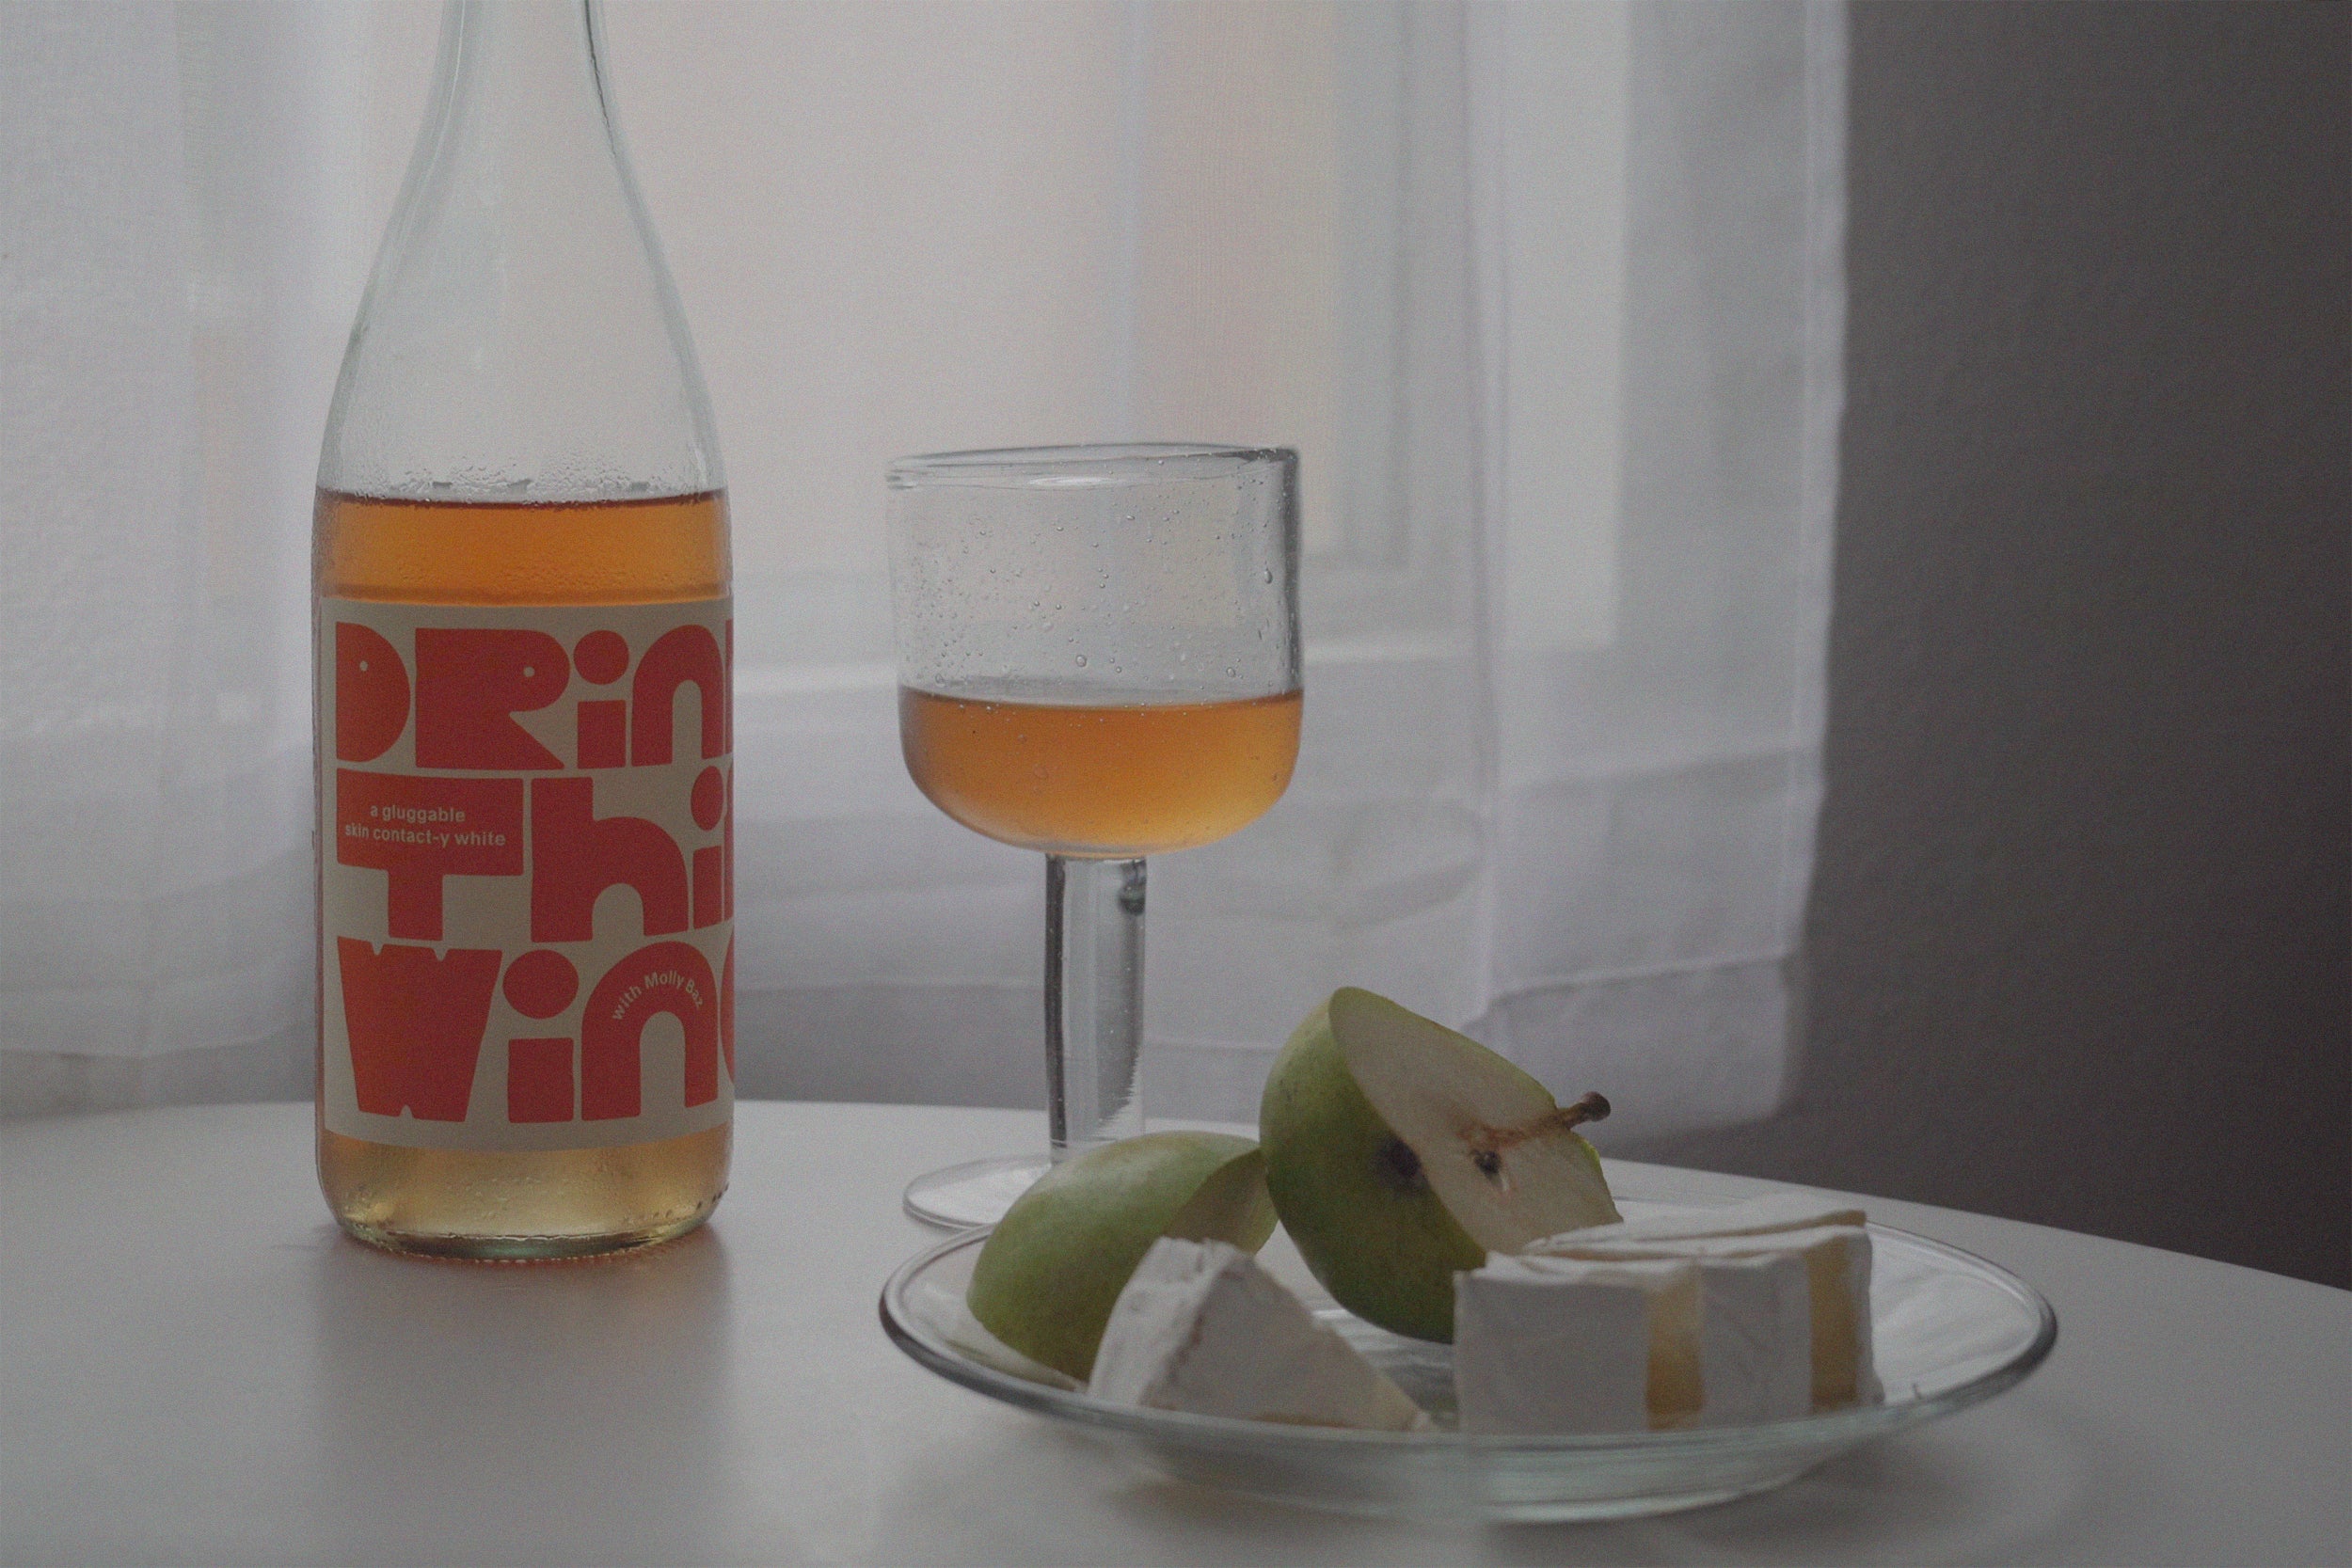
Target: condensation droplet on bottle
1232, 671
1082, 661
1269, 574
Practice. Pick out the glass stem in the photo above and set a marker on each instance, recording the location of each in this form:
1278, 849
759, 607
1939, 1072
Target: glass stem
1093, 1000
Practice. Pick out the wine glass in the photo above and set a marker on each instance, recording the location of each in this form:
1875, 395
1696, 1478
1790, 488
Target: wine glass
1099, 658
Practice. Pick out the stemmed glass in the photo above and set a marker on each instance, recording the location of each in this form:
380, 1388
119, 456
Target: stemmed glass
1098, 658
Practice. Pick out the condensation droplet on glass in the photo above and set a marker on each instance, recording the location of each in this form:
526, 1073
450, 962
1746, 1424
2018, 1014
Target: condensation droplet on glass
1232, 671
1082, 661
1269, 574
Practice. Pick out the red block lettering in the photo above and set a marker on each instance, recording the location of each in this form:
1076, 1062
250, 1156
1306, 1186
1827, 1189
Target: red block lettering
541, 983
601, 657
680, 655
707, 798
710, 885
575, 856
539, 1079
602, 732
665, 978
416, 1024
371, 693
471, 682
418, 831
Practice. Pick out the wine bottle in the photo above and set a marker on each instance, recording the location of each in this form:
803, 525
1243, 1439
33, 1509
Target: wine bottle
523, 666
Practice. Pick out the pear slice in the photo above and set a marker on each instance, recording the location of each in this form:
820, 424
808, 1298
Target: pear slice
1049, 1273
1399, 1152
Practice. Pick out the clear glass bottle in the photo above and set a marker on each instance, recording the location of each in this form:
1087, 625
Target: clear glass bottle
524, 675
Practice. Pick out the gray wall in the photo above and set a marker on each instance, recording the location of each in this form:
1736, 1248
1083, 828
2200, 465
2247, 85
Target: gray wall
2077, 945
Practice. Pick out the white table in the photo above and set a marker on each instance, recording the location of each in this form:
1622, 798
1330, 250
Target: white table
196, 1367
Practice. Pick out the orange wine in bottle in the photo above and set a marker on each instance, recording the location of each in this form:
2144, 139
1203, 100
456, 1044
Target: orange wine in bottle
524, 668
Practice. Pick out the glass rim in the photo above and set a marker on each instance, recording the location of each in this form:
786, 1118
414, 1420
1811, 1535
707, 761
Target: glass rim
1083, 467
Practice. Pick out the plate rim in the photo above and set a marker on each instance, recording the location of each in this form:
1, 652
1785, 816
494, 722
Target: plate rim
1827, 1429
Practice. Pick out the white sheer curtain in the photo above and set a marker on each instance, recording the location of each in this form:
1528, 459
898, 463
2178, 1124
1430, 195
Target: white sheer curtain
1548, 296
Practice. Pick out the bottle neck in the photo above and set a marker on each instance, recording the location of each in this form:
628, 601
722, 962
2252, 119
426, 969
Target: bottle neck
522, 82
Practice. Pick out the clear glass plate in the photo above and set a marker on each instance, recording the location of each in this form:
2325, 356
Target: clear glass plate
1951, 1330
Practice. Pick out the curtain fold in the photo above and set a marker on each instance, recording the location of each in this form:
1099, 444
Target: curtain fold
1548, 296
154, 862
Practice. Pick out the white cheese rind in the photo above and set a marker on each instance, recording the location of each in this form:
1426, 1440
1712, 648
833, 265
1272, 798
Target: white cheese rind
1837, 1260
1757, 1216
1562, 1346
1199, 1327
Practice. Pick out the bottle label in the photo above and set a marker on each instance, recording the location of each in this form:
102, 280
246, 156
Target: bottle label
526, 873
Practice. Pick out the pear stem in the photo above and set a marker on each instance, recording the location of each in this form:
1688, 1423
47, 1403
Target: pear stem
1592, 1107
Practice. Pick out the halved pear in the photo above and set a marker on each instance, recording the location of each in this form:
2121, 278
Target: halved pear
1399, 1152
1048, 1275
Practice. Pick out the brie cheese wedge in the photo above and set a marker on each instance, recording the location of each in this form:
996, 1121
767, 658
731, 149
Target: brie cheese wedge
1201, 1327
1562, 1345
1836, 1264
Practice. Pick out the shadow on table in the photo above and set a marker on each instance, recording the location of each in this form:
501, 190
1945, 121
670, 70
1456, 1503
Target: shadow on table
552, 1411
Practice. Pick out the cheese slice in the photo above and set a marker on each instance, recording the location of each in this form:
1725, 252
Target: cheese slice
1756, 1339
1837, 1261
1548, 1345
1757, 1216
1201, 1327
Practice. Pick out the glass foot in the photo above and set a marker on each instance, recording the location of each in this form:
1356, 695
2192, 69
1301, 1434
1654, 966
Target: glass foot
978, 1193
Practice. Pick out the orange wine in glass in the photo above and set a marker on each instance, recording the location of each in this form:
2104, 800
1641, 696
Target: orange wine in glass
1098, 658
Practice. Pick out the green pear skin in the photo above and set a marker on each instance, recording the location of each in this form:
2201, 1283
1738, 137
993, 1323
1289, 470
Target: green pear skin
1050, 1273
1352, 1196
